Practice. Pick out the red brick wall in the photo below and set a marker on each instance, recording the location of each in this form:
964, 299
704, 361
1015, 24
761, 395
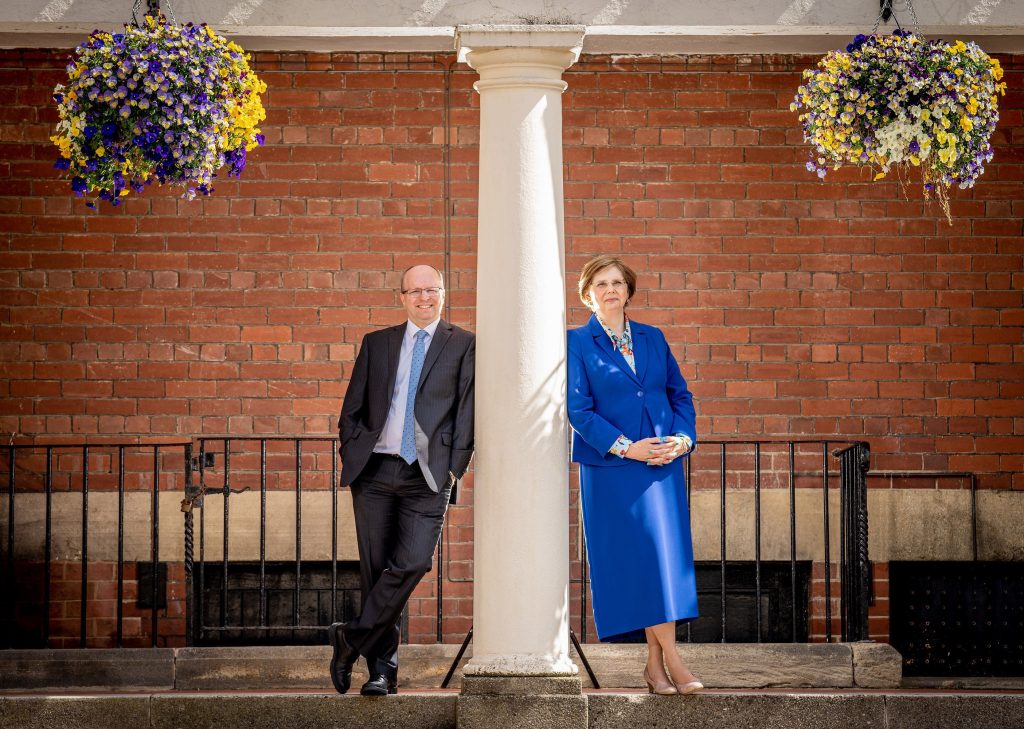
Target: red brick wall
64, 625
843, 309
846, 308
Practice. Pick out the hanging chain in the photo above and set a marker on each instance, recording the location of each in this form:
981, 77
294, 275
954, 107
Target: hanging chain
153, 9
913, 16
887, 11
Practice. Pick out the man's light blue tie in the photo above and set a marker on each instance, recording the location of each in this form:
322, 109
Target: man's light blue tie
408, 451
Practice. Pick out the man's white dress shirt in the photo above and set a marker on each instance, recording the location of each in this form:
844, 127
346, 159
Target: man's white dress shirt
390, 440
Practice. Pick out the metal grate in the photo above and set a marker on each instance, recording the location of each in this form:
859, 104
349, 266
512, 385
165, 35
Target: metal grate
783, 610
958, 618
261, 611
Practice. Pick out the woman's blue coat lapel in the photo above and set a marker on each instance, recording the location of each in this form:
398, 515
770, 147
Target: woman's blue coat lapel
640, 357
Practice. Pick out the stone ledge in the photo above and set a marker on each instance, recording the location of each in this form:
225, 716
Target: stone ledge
271, 667
732, 710
734, 665
74, 712
219, 711
522, 712
300, 667
309, 711
959, 683
965, 711
90, 668
876, 665
764, 709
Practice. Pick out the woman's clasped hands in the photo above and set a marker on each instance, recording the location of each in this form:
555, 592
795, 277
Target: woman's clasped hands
658, 451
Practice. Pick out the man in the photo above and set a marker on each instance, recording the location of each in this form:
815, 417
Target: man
406, 438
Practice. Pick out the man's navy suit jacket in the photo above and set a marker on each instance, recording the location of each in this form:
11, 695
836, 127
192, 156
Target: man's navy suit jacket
444, 402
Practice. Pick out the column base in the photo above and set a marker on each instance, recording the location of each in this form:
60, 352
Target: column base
522, 702
520, 665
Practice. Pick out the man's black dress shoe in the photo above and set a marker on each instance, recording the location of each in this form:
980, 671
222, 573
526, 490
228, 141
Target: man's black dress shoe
345, 656
379, 685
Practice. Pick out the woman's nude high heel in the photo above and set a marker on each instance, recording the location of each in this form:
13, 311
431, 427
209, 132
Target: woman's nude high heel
663, 689
690, 687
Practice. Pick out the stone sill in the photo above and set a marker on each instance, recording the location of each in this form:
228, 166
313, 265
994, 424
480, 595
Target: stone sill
733, 666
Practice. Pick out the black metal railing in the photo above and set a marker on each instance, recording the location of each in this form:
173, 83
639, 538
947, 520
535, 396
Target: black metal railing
854, 567
288, 455
33, 617
795, 465
294, 467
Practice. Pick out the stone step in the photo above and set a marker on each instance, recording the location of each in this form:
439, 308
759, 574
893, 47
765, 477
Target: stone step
731, 665
435, 709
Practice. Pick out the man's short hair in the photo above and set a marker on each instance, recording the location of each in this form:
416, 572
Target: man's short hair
440, 276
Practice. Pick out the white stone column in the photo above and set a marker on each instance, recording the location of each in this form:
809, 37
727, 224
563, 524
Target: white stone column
521, 496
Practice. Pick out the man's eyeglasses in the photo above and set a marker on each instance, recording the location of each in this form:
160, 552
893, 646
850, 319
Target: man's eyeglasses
428, 293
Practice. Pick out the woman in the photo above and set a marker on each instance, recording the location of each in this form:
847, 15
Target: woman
632, 418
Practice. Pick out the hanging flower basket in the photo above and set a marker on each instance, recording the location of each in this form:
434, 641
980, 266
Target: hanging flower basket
891, 102
158, 103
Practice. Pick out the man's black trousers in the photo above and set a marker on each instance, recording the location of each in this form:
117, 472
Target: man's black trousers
398, 524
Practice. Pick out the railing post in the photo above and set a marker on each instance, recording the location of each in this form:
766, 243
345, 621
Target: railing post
190, 493
854, 464
862, 464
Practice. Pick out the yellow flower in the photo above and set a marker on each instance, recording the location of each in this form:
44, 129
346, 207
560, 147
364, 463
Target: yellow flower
972, 106
997, 70
966, 124
63, 143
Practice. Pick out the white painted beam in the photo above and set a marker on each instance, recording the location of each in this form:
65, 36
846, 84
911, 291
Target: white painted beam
255, 38
786, 39
600, 39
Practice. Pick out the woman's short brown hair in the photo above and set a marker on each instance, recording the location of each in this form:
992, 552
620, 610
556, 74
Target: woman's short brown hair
594, 265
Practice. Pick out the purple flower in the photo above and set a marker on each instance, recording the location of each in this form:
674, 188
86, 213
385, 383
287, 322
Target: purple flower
78, 186
236, 159
62, 164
